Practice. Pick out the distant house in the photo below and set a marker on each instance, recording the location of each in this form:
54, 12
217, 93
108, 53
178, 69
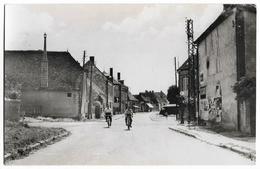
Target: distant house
151, 101
227, 53
51, 81
120, 95
145, 102
161, 99
183, 78
133, 102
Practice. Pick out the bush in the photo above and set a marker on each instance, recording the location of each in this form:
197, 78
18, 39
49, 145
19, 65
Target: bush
245, 87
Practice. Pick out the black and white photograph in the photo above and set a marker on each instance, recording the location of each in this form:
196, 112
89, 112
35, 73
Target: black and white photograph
129, 84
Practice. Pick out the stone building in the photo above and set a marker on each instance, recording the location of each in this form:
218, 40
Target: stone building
144, 102
55, 85
133, 103
227, 52
120, 95
98, 91
186, 89
50, 81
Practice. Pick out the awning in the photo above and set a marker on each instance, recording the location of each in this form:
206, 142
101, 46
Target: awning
136, 106
171, 105
149, 105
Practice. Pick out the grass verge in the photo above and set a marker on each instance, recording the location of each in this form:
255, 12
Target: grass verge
18, 136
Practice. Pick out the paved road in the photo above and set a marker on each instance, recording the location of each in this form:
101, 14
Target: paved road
150, 142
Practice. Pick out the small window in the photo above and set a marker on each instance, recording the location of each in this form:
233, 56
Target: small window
203, 92
203, 96
68, 94
207, 63
201, 77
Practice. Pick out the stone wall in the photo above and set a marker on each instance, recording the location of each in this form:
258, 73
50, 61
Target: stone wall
63, 104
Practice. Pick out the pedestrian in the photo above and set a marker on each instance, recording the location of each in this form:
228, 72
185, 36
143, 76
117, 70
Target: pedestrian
166, 114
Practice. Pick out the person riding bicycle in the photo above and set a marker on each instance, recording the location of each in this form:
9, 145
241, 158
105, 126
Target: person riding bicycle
108, 113
128, 112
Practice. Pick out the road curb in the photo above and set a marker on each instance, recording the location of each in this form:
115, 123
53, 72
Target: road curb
235, 148
241, 150
183, 132
29, 148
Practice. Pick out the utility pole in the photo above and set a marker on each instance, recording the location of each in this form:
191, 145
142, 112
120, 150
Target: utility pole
196, 50
84, 90
90, 88
112, 81
176, 83
189, 31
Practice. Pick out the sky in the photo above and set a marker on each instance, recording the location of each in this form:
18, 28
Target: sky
138, 40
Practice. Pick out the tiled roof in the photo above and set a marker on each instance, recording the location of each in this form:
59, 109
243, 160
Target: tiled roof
131, 97
64, 71
161, 97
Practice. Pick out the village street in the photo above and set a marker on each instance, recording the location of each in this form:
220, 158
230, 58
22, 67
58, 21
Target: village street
149, 142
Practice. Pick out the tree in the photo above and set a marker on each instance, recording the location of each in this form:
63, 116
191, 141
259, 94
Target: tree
174, 97
173, 94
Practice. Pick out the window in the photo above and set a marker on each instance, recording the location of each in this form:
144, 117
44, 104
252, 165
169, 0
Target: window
185, 84
203, 92
116, 99
201, 77
68, 94
207, 63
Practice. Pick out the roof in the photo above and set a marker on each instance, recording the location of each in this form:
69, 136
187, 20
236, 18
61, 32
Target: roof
145, 99
161, 97
23, 66
184, 66
149, 105
131, 97
222, 17
141, 98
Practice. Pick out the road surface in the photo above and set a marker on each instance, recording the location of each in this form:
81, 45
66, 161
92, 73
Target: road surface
149, 142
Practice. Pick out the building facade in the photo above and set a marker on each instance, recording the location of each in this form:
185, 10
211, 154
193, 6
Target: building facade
50, 81
227, 52
98, 91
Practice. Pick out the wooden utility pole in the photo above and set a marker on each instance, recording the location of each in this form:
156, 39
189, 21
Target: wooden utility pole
197, 82
84, 89
90, 89
176, 82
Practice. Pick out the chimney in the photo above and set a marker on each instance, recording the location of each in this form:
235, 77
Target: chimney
44, 65
122, 82
118, 76
111, 72
92, 59
84, 57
